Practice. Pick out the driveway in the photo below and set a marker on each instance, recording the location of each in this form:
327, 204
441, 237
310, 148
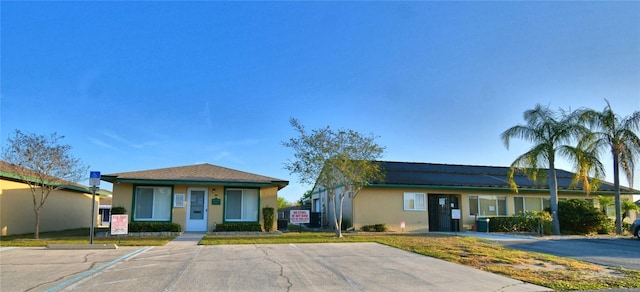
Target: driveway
612, 252
181, 266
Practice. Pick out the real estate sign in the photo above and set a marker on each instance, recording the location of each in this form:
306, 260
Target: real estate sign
299, 216
119, 224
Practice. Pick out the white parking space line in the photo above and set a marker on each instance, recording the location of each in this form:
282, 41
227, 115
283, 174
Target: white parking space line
97, 269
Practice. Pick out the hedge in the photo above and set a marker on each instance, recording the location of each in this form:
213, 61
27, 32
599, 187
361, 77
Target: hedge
374, 227
223, 227
154, 227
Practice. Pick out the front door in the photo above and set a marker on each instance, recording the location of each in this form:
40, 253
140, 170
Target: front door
197, 209
440, 207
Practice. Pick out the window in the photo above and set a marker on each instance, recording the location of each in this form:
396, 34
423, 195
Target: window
485, 205
414, 202
241, 205
152, 204
523, 204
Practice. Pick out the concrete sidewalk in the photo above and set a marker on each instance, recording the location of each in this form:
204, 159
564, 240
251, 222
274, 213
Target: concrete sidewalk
186, 239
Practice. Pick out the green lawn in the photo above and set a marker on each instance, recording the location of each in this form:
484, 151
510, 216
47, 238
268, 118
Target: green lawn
80, 236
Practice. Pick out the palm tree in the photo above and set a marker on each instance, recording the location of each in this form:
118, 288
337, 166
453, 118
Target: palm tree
604, 202
627, 207
586, 158
617, 135
548, 132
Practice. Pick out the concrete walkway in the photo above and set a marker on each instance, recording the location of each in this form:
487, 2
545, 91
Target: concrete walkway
186, 239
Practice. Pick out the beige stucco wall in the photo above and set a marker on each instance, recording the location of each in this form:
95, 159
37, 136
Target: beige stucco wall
268, 198
123, 196
385, 205
62, 210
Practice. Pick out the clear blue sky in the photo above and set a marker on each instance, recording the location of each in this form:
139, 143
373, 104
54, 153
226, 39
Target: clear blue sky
144, 85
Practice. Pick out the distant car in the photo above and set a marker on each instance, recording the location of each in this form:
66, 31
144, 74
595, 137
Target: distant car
635, 228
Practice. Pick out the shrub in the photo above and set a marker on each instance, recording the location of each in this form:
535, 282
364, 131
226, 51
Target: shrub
578, 216
118, 210
238, 227
267, 215
609, 226
504, 224
538, 222
154, 227
374, 227
346, 223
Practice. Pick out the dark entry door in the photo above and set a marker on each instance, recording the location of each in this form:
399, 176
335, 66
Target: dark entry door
440, 207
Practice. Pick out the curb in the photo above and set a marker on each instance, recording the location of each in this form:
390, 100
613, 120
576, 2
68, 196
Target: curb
81, 246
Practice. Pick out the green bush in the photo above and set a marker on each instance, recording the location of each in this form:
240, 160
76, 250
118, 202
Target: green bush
346, 223
538, 222
374, 228
154, 227
609, 226
580, 217
267, 215
118, 210
224, 227
504, 224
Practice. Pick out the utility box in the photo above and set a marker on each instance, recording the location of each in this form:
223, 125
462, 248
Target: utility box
482, 225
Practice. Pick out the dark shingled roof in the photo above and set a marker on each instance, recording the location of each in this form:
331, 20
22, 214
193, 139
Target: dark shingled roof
200, 173
473, 176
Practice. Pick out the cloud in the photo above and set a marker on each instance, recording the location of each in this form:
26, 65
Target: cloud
228, 156
102, 143
129, 143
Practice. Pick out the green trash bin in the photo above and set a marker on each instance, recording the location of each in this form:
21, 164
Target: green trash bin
482, 225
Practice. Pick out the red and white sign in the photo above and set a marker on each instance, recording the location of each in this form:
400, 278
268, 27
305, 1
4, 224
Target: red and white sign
299, 216
119, 224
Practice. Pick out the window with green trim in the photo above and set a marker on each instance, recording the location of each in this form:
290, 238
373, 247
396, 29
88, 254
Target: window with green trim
241, 205
486, 205
152, 204
523, 204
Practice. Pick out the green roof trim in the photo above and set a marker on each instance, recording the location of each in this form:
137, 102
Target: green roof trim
491, 189
77, 188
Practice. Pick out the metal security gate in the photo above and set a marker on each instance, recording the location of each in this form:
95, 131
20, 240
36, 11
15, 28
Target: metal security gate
440, 207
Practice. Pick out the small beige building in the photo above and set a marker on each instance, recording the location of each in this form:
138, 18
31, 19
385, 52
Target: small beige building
424, 197
67, 208
197, 196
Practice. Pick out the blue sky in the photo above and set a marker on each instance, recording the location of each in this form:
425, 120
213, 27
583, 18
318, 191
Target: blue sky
143, 85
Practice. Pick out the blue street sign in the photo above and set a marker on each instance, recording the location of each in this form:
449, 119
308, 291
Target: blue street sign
94, 179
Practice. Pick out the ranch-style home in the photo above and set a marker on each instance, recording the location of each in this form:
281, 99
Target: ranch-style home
196, 196
423, 197
67, 208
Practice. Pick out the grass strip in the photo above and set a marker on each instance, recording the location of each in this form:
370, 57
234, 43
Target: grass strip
80, 236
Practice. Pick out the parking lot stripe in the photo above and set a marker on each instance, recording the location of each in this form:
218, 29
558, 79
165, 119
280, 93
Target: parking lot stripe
7, 248
96, 269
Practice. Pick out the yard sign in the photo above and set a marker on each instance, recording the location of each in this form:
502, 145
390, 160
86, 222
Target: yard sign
299, 216
119, 224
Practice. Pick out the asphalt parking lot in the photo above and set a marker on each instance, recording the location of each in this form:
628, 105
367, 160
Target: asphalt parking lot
623, 252
284, 267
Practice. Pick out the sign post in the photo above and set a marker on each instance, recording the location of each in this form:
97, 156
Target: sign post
94, 182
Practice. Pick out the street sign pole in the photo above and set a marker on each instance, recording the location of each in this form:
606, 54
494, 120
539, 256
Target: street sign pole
93, 213
94, 181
